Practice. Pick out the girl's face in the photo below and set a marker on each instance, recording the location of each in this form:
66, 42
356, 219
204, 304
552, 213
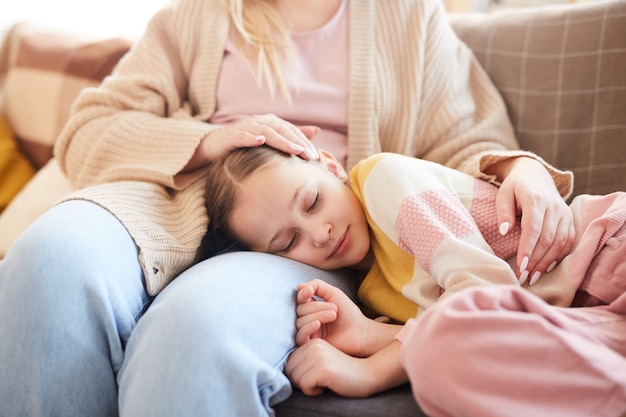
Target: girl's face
302, 211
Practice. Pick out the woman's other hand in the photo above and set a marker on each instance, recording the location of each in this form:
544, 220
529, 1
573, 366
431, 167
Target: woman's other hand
546, 220
255, 131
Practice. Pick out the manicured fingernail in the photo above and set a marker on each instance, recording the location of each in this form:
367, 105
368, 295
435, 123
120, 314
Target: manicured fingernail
310, 154
523, 277
296, 147
551, 267
534, 278
504, 227
524, 264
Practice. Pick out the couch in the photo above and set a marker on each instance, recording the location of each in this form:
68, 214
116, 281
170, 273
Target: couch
561, 70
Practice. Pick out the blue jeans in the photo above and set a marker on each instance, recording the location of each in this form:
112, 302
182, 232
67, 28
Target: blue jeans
79, 335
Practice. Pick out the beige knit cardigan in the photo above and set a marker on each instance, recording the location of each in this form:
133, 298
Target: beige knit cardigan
415, 89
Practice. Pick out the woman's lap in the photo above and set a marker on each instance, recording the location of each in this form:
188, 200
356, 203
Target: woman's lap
229, 321
71, 292
66, 309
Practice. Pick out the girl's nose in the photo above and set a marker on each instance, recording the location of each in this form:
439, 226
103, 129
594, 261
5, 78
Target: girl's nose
323, 235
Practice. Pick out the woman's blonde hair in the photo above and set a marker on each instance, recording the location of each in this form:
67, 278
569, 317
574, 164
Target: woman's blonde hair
263, 37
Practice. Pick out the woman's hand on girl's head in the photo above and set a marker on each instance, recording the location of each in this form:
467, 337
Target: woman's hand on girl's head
253, 131
546, 220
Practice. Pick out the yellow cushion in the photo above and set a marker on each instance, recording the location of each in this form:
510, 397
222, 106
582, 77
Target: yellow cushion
15, 170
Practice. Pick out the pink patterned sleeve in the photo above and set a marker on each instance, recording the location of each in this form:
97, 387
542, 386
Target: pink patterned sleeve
454, 245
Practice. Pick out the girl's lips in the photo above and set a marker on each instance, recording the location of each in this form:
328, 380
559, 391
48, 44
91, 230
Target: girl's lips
342, 245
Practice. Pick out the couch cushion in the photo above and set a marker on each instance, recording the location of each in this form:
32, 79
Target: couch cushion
397, 402
43, 69
562, 73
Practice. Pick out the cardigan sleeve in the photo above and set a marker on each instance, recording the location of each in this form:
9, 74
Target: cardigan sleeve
143, 123
465, 114
432, 99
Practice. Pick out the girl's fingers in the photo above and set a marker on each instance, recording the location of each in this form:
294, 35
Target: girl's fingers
307, 332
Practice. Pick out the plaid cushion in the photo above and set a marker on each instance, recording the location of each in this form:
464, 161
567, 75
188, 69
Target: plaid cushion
43, 70
562, 73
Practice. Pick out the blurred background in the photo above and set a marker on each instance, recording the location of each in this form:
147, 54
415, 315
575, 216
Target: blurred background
127, 18
100, 18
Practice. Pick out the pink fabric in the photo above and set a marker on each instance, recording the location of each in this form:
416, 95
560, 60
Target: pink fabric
427, 219
483, 211
599, 261
320, 84
501, 351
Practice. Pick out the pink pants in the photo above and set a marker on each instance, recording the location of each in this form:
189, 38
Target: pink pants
501, 351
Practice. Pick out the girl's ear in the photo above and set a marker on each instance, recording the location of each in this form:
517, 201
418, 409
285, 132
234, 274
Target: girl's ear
332, 165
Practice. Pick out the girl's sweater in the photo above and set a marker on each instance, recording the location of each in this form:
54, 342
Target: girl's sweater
434, 232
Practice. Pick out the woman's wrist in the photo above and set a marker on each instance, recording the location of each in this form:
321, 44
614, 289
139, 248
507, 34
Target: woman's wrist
503, 168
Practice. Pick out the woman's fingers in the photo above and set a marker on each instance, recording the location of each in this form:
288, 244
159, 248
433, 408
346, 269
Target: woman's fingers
287, 137
547, 230
255, 131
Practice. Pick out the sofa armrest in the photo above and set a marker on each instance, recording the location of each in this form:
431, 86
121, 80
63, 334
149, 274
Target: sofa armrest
562, 73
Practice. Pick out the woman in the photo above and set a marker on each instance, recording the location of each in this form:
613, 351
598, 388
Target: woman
90, 338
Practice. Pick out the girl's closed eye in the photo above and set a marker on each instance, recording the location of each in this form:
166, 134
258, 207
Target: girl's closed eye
315, 202
290, 244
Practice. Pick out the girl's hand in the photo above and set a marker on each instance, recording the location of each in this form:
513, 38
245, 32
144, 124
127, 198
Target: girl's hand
255, 131
338, 320
318, 365
546, 220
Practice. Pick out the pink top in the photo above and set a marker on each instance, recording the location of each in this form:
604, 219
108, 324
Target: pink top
319, 87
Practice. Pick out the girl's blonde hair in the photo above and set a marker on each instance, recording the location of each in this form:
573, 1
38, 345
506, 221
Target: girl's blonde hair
263, 37
223, 188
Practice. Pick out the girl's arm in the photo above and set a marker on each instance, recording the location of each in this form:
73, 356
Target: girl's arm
318, 365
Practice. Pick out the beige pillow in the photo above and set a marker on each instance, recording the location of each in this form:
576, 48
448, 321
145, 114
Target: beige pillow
562, 73
44, 69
